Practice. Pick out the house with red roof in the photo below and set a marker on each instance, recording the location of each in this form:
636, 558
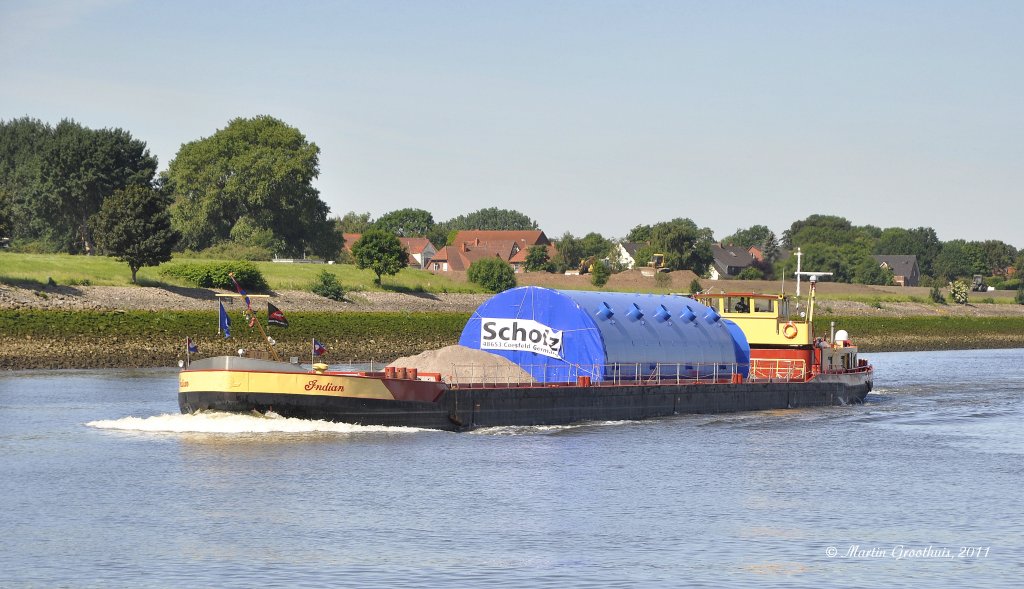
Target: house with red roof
469, 246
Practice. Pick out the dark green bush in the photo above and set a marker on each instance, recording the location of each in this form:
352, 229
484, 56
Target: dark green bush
215, 275
1019, 298
492, 274
936, 295
327, 286
695, 286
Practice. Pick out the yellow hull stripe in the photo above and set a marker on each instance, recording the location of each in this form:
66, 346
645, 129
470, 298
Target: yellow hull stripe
282, 383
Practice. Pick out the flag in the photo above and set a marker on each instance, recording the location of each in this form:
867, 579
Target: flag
191, 346
225, 322
275, 316
318, 348
241, 291
252, 320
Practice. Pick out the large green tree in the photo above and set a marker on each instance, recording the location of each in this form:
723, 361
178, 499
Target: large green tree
353, 222
259, 169
406, 222
685, 246
53, 180
381, 252
487, 219
134, 226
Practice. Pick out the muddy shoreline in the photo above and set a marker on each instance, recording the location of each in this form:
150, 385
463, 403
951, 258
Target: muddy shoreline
43, 350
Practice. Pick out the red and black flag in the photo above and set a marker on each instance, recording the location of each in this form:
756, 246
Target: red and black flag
275, 316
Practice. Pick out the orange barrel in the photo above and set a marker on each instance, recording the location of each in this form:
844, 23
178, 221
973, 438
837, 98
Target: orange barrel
389, 372
402, 373
583, 381
413, 373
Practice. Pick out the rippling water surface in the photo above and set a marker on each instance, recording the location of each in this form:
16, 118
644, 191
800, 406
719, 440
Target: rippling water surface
104, 484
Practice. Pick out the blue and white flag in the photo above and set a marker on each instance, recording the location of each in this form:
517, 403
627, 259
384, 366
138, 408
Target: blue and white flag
225, 322
318, 348
191, 346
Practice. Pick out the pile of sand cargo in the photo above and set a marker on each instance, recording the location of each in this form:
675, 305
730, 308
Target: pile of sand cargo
462, 365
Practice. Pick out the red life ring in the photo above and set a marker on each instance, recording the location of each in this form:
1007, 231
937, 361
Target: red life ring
790, 331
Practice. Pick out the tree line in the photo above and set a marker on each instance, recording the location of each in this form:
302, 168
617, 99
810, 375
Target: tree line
245, 192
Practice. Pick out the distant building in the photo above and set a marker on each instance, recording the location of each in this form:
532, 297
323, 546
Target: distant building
626, 252
905, 271
469, 246
729, 261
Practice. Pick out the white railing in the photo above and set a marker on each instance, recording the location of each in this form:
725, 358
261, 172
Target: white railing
637, 373
777, 369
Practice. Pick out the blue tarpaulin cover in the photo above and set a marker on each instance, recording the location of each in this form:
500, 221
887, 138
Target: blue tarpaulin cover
558, 335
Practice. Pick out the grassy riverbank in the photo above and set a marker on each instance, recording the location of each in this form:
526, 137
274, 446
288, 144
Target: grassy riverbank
101, 339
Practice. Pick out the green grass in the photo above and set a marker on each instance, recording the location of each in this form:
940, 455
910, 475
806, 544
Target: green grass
63, 269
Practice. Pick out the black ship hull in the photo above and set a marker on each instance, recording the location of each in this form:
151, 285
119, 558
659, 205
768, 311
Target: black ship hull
460, 409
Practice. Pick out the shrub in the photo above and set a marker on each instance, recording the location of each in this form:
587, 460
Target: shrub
600, 274
936, 295
695, 286
662, 280
751, 273
215, 275
492, 274
1019, 298
959, 292
327, 286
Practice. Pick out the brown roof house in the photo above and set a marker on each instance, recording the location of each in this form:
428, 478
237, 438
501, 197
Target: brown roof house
905, 271
729, 261
421, 251
469, 246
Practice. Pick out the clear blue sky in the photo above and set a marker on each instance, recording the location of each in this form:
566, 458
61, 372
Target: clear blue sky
585, 115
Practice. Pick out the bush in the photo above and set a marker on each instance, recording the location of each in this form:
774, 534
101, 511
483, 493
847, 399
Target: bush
751, 273
695, 286
936, 295
492, 274
1020, 295
327, 286
959, 292
600, 274
662, 280
215, 275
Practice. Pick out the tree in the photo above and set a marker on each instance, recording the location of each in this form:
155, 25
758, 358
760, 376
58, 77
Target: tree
492, 219
958, 259
492, 273
599, 274
570, 252
53, 180
352, 222
259, 168
686, 246
537, 259
406, 222
381, 252
134, 226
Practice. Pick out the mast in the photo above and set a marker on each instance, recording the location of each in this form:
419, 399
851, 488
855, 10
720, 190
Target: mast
256, 320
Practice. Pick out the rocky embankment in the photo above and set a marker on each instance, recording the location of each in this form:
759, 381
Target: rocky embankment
40, 349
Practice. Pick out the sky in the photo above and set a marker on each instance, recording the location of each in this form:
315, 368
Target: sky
584, 115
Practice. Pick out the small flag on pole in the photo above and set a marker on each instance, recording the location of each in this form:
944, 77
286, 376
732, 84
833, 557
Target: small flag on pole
191, 346
318, 348
225, 322
275, 316
241, 291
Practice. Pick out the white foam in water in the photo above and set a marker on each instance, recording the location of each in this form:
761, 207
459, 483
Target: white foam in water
232, 423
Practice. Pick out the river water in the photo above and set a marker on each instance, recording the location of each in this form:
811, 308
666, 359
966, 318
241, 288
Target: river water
104, 484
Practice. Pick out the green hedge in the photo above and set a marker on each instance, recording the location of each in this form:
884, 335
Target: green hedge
215, 274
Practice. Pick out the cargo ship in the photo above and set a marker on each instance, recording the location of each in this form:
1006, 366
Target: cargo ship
579, 356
